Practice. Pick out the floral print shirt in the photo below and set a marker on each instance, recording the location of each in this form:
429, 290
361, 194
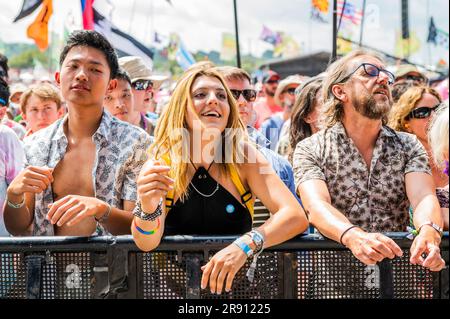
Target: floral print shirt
374, 199
121, 150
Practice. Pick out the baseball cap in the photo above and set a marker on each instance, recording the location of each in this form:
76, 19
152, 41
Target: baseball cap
293, 79
138, 70
404, 69
270, 76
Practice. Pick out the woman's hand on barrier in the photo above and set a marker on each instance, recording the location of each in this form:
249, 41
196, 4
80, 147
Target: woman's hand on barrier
371, 248
31, 180
72, 209
427, 242
153, 183
223, 266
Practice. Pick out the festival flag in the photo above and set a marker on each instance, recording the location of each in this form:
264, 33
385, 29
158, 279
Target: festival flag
437, 36
120, 40
343, 46
349, 11
287, 48
319, 9
405, 47
228, 51
38, 30
270, 36
178, 52
88, 14
28, 7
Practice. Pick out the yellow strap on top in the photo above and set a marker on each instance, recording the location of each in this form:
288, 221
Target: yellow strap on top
234, 178
245, 195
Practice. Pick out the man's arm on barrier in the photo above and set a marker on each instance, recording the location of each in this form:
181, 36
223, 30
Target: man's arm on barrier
73, 209
369, 248
422, 196
19, 210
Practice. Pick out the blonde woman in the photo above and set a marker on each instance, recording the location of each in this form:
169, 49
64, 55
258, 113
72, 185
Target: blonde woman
209, 175
438, 136
412, 114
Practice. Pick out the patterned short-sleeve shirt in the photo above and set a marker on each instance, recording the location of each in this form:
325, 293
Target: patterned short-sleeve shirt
121, 150
373, 199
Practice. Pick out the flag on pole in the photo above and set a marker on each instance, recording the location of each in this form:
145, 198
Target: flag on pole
349, 12
319, 9
437, 36
38, 30
228, 51
120, 40
287, 48
270, 36
178, 52
28, 7
88, 14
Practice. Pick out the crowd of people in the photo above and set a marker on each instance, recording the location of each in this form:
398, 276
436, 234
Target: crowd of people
355, 152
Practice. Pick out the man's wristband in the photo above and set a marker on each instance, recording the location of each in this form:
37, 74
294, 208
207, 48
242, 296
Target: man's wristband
105, 216
15, 206
436, 227
345, 232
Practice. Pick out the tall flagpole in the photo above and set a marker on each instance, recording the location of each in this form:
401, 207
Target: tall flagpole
334, 50
362, 23
238, 51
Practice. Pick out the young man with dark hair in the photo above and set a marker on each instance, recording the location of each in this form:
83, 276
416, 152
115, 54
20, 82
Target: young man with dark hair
119, 101
81, 174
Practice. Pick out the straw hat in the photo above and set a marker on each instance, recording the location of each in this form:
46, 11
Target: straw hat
292, 79
138, 70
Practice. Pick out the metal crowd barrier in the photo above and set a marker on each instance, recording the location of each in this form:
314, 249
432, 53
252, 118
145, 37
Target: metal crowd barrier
306, 267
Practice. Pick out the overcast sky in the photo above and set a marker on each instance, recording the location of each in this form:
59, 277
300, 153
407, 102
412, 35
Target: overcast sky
201, 23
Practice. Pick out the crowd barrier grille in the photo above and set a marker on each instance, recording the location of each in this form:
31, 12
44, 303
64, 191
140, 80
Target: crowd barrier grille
306, 267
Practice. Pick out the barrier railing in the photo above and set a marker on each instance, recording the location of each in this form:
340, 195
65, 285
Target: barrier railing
113, 267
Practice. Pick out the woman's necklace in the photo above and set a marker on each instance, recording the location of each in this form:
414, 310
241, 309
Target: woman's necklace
204, 176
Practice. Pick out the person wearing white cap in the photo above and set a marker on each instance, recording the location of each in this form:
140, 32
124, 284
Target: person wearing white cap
285, 97
143, 84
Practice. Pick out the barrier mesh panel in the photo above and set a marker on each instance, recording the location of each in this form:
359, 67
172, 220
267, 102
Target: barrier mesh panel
335, 274
267, 283
12, 276
164, 276
67, 276
411, 281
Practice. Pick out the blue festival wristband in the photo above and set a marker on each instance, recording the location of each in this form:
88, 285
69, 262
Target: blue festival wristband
245, 248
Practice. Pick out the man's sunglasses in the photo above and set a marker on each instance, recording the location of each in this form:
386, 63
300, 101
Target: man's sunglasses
422, 112
373, 70
249, 95
273, 82
142, 85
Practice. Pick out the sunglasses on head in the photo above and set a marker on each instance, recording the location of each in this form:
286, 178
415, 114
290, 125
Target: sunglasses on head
422, 112
415, 78
291, 91
249, 95
142, 85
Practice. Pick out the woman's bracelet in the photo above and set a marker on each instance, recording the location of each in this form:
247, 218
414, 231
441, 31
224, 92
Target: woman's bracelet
345, 231
144, 232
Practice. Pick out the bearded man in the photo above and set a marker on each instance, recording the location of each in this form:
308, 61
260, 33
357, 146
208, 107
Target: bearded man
358, 178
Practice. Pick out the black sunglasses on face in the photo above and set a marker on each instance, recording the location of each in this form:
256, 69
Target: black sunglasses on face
373, 70
142, 85
422, 112
249, 95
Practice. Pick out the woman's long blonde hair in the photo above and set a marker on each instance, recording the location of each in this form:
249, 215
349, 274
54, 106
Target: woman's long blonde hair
168, 138
407, 102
